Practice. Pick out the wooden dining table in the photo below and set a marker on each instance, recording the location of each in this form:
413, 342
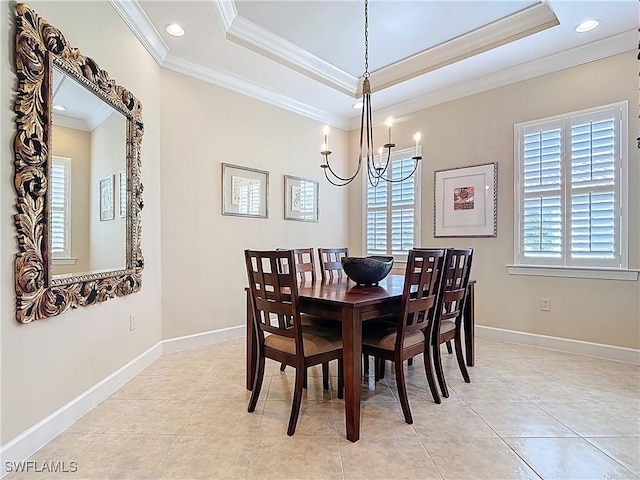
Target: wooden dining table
352, 305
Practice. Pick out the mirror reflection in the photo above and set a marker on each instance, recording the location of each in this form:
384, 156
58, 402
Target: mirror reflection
88, 203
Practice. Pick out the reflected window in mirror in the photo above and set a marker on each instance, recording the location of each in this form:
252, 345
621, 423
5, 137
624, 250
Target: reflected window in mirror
60, 210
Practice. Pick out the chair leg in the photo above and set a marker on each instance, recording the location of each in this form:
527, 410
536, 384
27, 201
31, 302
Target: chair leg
304, 381
437, 365
428, 367
301, 374
402, 392
449, 349
282, 367
257, 384
379, 368
365, 360
460, 357
410, 361
325, 375
340, 379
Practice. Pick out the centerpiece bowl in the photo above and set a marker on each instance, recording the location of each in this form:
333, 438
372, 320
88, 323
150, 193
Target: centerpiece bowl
367, 270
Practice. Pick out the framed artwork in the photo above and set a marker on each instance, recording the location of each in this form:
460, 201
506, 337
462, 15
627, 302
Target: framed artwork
245, 191
300, 199
106, 198
466, 201
122, 191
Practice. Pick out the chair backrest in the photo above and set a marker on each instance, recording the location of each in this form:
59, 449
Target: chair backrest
455, 280
422, 282
330, 262
305, 264
274, 294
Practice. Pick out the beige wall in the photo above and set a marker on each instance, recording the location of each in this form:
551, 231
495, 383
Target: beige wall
203, 273
108, 157
49, 362
479, 129
76, 145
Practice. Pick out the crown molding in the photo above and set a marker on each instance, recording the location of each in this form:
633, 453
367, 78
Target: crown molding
513, 27
139, 23
233, 82
227, 10
597, 50
262, 41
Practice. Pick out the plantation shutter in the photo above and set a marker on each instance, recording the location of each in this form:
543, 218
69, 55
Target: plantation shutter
59, 207
391, 210
570, 190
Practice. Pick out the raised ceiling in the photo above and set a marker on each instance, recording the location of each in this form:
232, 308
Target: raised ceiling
308, 56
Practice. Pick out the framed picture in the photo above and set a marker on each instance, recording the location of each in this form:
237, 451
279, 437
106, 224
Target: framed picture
122, 193
106, 198
245, 191
466, 201
300, 199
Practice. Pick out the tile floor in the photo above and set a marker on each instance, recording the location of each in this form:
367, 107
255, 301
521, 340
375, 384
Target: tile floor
527, 413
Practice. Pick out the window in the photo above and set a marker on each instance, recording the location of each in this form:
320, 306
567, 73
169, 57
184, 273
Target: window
392, 225
571, 175
60, 207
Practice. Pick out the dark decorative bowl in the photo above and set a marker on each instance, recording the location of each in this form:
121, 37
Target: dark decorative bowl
367, 270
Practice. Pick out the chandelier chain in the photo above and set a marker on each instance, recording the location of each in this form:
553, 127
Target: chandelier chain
366, 40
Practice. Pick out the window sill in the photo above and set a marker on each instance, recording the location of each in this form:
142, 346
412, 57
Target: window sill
574, 272
64, 261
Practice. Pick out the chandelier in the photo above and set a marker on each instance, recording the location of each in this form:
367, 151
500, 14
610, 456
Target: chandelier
377, 168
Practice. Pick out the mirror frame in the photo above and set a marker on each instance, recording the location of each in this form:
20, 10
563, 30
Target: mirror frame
39, 46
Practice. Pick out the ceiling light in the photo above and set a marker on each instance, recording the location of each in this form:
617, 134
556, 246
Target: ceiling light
587, 25
358, 105
377, 167
174, 29
60, 108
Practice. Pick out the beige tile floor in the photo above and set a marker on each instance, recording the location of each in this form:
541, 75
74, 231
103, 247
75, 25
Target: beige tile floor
527, 413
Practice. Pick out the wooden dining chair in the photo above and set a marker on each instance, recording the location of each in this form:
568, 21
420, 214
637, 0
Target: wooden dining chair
305, 264
413, 331
448, 319
331, 263
279, 330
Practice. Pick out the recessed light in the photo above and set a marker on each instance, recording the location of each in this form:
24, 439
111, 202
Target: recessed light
174, 29
587, 25
358, 105
60, 108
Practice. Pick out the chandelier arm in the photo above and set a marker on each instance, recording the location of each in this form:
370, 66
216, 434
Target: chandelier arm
346, 182
415, 167
344, 179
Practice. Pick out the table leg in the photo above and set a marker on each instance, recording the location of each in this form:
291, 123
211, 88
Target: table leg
352, 354
252, 344
469, 324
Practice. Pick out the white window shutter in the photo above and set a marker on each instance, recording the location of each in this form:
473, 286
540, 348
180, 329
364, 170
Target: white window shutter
59, 208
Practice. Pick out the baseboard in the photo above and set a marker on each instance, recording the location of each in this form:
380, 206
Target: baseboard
36, 437
202, 339
609, 352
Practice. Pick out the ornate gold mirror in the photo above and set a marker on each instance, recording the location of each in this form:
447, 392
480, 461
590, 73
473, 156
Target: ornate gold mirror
77, 177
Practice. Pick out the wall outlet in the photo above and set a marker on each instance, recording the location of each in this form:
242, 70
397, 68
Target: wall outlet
132, 323
545, 304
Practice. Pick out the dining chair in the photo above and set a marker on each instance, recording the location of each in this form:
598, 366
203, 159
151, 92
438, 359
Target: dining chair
449, 311
280, 333
331, 263
413, 331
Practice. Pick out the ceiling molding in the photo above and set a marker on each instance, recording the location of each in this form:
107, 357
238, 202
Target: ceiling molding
70, 122
262, 41
99, 116
598, 50
513, 27
139, 23
231, 81
227, 10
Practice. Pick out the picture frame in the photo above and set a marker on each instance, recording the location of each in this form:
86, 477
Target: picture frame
122, 193
466, 201
301, 199
107, 211
245, 191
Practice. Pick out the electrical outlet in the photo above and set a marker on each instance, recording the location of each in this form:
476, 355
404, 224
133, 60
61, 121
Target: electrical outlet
545, 304
132, 323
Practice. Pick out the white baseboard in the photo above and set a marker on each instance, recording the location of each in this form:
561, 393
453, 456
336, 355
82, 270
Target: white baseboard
202, 339
609, 352
36, 437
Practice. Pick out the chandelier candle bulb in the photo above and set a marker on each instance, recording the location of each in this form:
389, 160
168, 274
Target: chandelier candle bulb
389, 125
417, 137
325, 146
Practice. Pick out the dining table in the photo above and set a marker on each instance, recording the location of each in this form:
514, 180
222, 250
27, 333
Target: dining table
352, 305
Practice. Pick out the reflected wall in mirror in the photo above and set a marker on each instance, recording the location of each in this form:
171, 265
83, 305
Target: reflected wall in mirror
68, 257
